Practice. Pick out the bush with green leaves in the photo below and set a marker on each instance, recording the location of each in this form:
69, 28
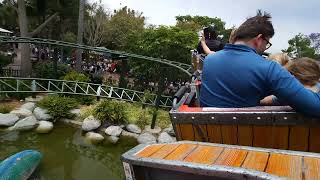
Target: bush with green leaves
46, 70
112, 111
79, 77
4, 109
58, 106
4, 60
15, 95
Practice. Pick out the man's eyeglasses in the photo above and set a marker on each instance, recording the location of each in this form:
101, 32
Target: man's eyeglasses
268, 43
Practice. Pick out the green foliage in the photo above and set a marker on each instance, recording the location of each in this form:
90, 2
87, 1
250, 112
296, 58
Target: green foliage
110, 110
15, 95
70, 37
196, 23
123, 23
5, 108
300, 46
58, 106
4, 60
46, 70
75, 76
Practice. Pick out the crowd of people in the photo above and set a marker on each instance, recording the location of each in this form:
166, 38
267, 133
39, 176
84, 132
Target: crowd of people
237, 75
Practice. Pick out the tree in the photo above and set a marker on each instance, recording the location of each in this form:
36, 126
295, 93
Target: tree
95, 24
315, 41
80, 34
300, 46
197, 23
122, 24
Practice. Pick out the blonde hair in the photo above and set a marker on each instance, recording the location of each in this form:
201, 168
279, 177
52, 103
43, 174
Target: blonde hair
281, 58
306, 70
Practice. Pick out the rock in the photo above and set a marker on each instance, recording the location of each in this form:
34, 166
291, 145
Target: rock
170, 131
147, 138
94, 137
165, 138
8, 119
30, 99
29, 106
44, 127
113, 139
72, 122
25, 124
129, 134
41, 114
113, 130
90, 123
76, 112
154, 131
21, 113
133, 128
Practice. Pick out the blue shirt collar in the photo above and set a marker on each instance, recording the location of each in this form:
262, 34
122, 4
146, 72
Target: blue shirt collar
239, 47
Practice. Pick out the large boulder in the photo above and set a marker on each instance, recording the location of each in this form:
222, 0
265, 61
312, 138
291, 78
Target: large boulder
29, 106
165, 138
129, 134
113, 139
155, 131
44, 127
90, 123
21, 113
170, 131
41, 114
94, 137
147, 138
133, 128
25, 124
113, 131
8, 119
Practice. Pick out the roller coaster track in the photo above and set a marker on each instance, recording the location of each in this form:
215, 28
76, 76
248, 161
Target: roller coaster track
7, 39
37, 85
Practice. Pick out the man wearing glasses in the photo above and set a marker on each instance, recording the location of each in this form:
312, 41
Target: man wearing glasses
238, 76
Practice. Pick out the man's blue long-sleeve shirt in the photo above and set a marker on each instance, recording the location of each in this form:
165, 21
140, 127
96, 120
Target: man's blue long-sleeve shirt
238, 77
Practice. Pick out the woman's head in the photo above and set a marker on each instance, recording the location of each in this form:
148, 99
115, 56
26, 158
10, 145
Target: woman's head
306, 70
281, 58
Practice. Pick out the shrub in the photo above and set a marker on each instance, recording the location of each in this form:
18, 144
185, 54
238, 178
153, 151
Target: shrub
45, 70
79, 77
15, 95
58, 106
111, 110
4, 60
5, 108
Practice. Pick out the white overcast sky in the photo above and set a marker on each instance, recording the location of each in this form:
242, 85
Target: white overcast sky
289, 17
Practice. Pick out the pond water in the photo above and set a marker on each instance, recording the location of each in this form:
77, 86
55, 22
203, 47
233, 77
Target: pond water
67, 155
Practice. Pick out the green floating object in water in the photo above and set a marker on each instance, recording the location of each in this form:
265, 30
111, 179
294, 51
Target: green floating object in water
20, 166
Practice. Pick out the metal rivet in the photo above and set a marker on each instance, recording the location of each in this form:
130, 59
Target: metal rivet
285, 118
258, 117
234, 118
192, 117
212, 117
174, 117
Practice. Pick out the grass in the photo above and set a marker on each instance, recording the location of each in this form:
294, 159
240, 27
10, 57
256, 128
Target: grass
6, 108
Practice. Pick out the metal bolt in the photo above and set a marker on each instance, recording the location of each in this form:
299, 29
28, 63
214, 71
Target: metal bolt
212, 117
192, 117
234, 118
174, 117
285, 118
258, 117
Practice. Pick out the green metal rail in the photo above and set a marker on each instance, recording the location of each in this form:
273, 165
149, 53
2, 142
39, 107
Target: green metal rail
37, 85
7, 39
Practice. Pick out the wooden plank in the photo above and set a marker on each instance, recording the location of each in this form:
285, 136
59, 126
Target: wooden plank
311, 167
164, 151
245, 135
314, 140
280, 137
197, 134
178, 135
229, 134
214, 133
285, 165
187, 132
298, 139
256, 160
231, 157
204, 154
149, 150
262, 136
181, 152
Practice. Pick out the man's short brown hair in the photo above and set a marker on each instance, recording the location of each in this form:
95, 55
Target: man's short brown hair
252, 27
